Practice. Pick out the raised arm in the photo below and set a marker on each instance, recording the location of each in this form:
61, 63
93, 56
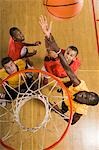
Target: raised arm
50, 41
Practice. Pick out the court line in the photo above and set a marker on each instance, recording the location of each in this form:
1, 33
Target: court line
95, 25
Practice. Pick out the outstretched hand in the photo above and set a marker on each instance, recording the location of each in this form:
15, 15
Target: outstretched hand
44, 25
37, 43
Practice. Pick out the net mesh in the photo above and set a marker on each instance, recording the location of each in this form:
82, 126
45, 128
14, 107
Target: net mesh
30, 111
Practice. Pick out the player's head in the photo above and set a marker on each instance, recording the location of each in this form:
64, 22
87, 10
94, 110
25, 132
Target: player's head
9, 66
16, 34
88, 98
70, 54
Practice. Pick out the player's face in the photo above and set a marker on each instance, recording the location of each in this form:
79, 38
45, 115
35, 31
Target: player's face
85, 97
70, 55
10, 67
18, 36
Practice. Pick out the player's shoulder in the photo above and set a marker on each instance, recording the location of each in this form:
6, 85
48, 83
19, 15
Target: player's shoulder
19, 61
3, 74
21, 64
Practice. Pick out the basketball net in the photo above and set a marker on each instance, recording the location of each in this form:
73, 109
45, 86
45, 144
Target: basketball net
32, 112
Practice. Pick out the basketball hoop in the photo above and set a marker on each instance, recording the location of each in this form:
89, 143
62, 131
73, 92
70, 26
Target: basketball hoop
31, 113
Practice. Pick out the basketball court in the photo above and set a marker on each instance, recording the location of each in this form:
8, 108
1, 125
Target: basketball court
80, 31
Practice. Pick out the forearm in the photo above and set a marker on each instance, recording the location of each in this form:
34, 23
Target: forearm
29, 44
68, 70
52, 40
46, 43
29, 54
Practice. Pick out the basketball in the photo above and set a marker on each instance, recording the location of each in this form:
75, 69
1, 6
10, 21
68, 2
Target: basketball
63, 9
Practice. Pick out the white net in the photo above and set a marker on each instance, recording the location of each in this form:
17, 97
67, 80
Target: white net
30, 112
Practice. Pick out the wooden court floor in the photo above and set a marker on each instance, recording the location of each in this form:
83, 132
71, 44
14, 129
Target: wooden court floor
79, 31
